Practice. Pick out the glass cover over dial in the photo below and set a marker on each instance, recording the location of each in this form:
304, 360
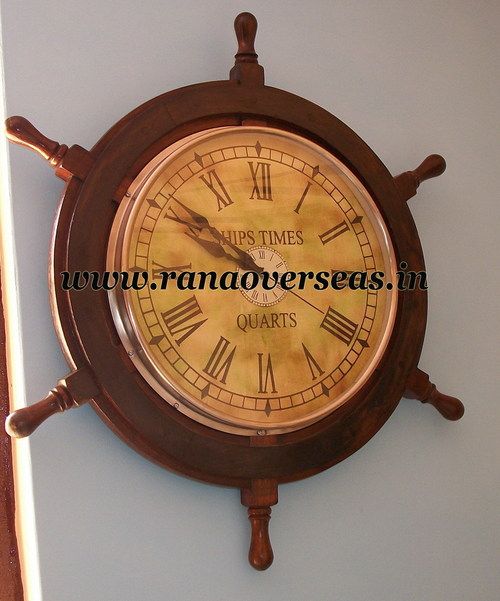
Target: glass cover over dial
235, 200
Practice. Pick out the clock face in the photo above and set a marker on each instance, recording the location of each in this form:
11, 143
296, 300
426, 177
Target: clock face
228, 213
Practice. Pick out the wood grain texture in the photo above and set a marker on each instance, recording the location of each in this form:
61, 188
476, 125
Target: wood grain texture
126, 402
408, 182
96, 182
25, 421
11, 586
66, 162
72, 391
246, 68
420, 387
259, 497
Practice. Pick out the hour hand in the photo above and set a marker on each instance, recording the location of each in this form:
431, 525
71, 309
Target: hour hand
214, 248
243, 259
183, 222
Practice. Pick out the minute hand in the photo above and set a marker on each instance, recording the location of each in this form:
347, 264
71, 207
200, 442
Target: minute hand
245, 260
213, 248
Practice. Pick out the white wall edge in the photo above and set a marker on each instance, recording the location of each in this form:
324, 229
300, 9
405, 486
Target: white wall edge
23, 476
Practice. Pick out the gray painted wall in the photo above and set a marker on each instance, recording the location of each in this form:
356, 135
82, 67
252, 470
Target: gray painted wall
414, 514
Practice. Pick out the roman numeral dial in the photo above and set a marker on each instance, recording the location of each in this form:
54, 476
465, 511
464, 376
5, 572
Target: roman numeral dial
266, 360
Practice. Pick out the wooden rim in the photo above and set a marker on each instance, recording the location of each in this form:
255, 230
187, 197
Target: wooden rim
83, 318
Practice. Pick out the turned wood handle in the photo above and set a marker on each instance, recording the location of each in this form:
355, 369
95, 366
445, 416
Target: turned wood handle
25, 421
260, 554
421, 388
22, 132
432, 166
258, 497
74, 390
450, 407
408, 182
245, 26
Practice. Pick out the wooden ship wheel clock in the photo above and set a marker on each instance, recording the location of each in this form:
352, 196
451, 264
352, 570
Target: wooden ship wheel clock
252, 387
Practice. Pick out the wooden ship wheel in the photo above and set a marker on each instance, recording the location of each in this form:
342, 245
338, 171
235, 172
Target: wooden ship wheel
248, 388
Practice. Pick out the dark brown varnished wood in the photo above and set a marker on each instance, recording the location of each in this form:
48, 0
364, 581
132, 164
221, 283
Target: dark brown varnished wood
245, 27
408, 182
72, 391
152, 426
25, 421
246, 67
11, 585
89, 207
420, 387
67, 162
97, 180
259, 497
21, 131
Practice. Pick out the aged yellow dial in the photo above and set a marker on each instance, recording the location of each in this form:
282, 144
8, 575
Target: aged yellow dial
244, 207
